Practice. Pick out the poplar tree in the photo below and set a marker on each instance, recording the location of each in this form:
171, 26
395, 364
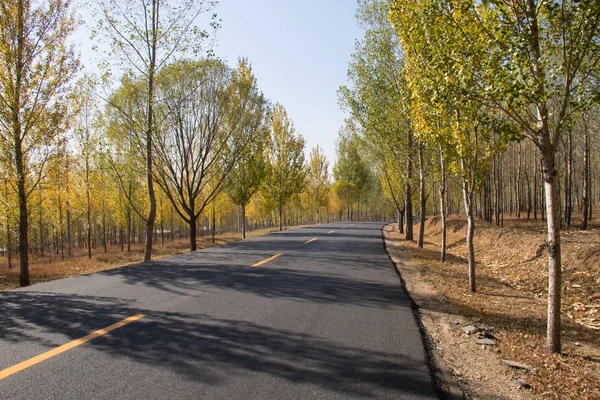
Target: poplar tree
317, 182
285, 155
379, 101
533, 61
248, 172
145, 36
36, 66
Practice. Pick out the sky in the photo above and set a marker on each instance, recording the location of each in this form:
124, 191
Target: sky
299, 51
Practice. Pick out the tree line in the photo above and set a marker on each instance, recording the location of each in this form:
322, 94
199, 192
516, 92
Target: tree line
486, 108
168, 142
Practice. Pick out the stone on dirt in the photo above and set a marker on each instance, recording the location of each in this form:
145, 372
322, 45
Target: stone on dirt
469, 329
486, 342
517, 365
523, 385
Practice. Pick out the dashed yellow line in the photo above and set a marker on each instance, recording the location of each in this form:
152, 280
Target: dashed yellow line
66, 347
311, 240
330, 232
258, 264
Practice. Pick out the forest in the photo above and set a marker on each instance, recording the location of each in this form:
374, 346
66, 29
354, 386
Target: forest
482, 108
486, 109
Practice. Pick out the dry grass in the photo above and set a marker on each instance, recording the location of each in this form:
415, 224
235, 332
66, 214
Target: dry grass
512, 282
53, 267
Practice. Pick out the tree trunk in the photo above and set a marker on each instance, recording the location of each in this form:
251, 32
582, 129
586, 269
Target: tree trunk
408, 197
150, 132
548, 161
468, 199
69, 238
280, 216
41, 232
243, 222
518, 183
8, 227
89, 215
60, 228
586, 180
128, 230
19, 165
553, 344
104, 240
535, 185
402, 214
443, 184
568, 179
214, 220
528, 196
422, 198
193, 227
162, 223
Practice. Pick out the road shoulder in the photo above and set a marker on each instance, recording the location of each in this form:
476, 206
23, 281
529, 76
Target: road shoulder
465, 369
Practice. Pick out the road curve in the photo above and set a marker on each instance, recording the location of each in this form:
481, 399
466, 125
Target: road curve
320, 315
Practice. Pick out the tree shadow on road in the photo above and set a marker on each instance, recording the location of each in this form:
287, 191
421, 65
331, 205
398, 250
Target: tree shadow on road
212, 351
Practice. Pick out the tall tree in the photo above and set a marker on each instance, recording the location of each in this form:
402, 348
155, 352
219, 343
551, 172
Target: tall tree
350, 165
535, 61
470, 131
36, 66
213, 113
145, 36
342, 194
317, 182
285, 155
379, 99
247, 173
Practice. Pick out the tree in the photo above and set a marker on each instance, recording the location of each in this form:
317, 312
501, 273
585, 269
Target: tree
123, 128
380, 100
145, 36
87, 142
350, 166
317, 182
470, 131
393, 186
285, 155
247, 174
213, 114
342, 194
533, 61
36, 66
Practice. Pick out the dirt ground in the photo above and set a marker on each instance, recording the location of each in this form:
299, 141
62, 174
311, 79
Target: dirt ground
53, 267
509, 307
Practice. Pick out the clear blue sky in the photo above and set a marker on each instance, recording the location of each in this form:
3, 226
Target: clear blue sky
299, 51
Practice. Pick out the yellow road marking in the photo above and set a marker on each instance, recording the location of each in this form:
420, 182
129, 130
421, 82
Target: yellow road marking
66, 347
330, 232
311, 240
258, 264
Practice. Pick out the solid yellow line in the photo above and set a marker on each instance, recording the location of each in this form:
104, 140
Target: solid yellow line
65, 347
266, 261
311, 240
330, 232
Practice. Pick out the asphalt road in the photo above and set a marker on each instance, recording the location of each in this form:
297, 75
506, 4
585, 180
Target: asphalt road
326, 319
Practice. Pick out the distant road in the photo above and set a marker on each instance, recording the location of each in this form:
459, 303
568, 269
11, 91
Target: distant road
320, 315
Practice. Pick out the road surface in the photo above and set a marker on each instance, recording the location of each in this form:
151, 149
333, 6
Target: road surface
309, 313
